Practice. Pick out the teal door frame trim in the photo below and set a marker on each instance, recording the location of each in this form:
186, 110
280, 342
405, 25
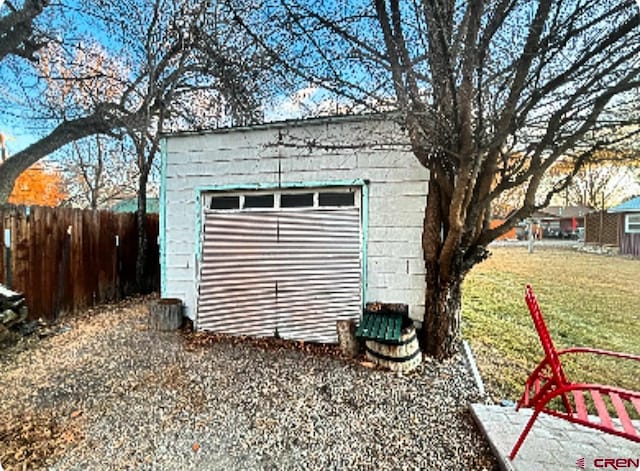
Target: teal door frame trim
163, 217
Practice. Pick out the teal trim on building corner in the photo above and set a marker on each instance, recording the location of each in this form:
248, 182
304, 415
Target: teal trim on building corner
163, 217
365, 239
198, 253
198, 223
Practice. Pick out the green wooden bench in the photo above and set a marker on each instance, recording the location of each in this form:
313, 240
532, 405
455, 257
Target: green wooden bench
384, 327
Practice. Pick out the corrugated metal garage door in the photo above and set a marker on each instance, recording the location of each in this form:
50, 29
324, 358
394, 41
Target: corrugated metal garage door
294, 272
319, 275
237, 277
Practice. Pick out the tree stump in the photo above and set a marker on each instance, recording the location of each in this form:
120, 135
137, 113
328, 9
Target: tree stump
165, 314
349, 344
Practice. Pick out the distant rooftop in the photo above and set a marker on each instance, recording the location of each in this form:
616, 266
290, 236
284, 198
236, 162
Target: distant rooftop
562, 212
632, 205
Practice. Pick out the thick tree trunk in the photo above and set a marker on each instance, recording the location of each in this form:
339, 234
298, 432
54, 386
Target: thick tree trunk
441, 326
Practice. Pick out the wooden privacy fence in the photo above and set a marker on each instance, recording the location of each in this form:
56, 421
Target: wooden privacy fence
65, 259
601, 228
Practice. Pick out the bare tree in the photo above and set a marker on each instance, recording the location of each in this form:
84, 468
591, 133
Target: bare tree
605, 177
474, 81
599, 186
99, 170
17, 33
170, 48
168, 52
95, 167
220, 86
76, 107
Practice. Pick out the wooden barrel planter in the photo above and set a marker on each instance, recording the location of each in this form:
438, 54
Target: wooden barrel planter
402, 356
165, 314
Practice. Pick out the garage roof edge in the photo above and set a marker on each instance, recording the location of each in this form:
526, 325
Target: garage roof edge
388, 116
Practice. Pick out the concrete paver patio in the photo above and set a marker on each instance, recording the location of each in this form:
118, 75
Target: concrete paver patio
552, 444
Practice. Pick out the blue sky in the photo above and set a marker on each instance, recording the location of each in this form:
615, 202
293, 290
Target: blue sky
21, 132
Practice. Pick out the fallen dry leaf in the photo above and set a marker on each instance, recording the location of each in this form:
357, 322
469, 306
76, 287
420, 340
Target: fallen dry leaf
76, 413
368, 364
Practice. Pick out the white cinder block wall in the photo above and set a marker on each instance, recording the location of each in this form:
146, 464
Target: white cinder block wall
320, 150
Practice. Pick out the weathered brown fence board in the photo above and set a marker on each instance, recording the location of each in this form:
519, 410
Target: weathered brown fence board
65, 259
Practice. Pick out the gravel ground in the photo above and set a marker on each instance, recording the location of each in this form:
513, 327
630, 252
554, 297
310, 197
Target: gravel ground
110, 394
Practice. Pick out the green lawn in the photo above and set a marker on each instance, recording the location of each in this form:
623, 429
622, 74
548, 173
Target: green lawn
587, 300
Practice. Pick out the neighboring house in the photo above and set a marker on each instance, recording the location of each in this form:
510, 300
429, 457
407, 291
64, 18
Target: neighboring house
566, 222
130, 205
628, 226
284, 228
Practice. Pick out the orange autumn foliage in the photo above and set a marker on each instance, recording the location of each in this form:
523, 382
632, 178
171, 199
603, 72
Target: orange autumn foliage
38, 186
512, 234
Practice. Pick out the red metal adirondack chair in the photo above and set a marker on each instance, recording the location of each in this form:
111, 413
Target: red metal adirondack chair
548, 382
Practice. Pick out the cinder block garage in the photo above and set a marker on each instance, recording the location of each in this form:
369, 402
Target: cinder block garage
284, 228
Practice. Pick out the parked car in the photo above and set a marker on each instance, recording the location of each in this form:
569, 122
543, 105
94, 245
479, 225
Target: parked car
551, 233
575, 235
